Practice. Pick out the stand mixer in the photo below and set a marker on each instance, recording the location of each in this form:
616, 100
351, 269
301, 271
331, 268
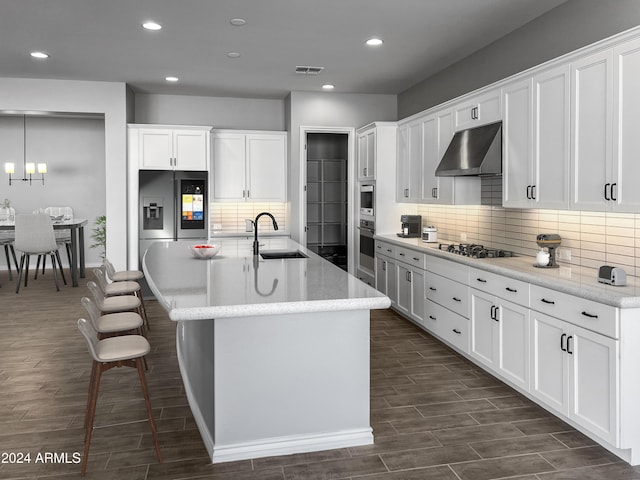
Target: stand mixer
550, 241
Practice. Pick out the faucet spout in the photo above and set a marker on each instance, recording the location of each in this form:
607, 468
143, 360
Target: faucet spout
256, 246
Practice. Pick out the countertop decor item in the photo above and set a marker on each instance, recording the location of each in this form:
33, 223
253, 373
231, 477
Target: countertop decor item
205, 250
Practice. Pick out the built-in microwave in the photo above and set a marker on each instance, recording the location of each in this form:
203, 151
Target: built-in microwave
367, 200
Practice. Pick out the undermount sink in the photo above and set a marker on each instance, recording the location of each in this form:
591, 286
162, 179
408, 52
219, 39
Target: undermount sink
277, 254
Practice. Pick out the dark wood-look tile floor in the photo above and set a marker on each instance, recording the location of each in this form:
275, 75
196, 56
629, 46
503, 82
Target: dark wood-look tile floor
435, 415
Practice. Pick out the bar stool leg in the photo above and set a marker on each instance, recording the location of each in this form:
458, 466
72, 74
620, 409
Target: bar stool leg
143, 310
96, 372
147, 401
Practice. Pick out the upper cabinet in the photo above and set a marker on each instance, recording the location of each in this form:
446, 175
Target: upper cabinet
409, 168
170, 148
536, 140
249, 166
478, 110
367, 154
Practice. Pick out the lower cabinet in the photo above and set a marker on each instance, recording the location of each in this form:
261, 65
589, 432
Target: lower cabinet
387, 278
411, 291
447, 325
500, 336
575, 372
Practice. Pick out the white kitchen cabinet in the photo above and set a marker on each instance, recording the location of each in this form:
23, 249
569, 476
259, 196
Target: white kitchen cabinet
367, 155
386, 273
626, 149
409, 168
500, 336
536, 140
168, 148
437, 132
411, 291
592, 187
249, 166
575, 372
478, 110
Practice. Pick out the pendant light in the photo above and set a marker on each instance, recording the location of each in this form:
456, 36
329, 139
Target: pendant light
27, 168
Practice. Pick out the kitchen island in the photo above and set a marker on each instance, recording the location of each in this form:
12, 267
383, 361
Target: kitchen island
274, 354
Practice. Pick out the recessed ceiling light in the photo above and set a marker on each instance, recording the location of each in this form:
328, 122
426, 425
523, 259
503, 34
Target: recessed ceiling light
328, 86
374, 42
237, 22
152, 25
40, 55
233, 54
171, 79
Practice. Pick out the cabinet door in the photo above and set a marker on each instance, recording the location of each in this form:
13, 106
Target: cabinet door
591, 118
551, 113
190, 149
404, 289
417, 295
362, 156
483, 344
402, 164
548, 361
445, 185
479, 110
593, 380
381, 275
430, 159
513, 343
410, 167
367, 155
156, 149
266, 167
229, 166
626, 126
518, 186
392, 281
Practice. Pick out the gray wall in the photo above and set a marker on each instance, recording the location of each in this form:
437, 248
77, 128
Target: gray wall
219, 112
568, 27
74, 151
310, 109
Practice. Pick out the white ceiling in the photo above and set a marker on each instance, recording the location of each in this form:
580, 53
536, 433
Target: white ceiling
103, 40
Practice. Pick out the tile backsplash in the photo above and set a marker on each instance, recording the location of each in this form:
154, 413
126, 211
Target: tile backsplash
592, 238
231, 216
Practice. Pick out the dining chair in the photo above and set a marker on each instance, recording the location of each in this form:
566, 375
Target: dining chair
34, 236
112, 289
63, 237
107, 353
7, 237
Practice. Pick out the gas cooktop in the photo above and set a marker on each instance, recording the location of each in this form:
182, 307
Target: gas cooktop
474, 250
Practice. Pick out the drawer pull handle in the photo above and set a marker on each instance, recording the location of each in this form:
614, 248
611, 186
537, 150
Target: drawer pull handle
512, 290
481, 280
402, 254
456, 299
432, 317
416, 259
388, 250
433, 289
458, 332
569, 351
379, 247
550, 302
562, 337
590, 315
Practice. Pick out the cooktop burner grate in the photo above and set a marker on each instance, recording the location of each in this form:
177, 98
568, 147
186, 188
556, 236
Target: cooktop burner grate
474, 250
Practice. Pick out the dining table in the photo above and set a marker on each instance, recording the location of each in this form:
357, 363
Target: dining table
76, 227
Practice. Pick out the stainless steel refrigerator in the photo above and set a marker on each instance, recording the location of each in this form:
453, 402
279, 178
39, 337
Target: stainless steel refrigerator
172, 206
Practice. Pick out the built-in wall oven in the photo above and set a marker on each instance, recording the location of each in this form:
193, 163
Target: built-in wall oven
367, 246
367, 200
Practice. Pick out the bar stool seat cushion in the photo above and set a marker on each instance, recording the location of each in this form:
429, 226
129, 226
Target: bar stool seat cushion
126, 347
120, 303
121, 288
126, 275
118, 322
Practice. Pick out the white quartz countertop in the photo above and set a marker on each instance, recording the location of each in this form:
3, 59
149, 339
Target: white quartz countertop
579, 281
234, 283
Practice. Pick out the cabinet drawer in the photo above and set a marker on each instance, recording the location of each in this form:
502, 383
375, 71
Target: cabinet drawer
386, 249
448, 325
448, 293
411, 257
588, 314
449, 269
507, 288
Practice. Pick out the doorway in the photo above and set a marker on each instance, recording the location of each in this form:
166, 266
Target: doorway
327, 196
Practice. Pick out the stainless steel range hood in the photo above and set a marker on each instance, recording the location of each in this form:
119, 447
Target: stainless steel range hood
476, 151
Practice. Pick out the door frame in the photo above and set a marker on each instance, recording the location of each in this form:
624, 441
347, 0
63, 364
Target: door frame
351, 187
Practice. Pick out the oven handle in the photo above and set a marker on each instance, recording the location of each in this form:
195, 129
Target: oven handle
367, 232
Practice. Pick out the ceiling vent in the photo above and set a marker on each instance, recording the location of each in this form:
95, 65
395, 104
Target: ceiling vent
306, 70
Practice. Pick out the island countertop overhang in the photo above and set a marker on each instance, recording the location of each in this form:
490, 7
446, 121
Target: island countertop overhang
237, 284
